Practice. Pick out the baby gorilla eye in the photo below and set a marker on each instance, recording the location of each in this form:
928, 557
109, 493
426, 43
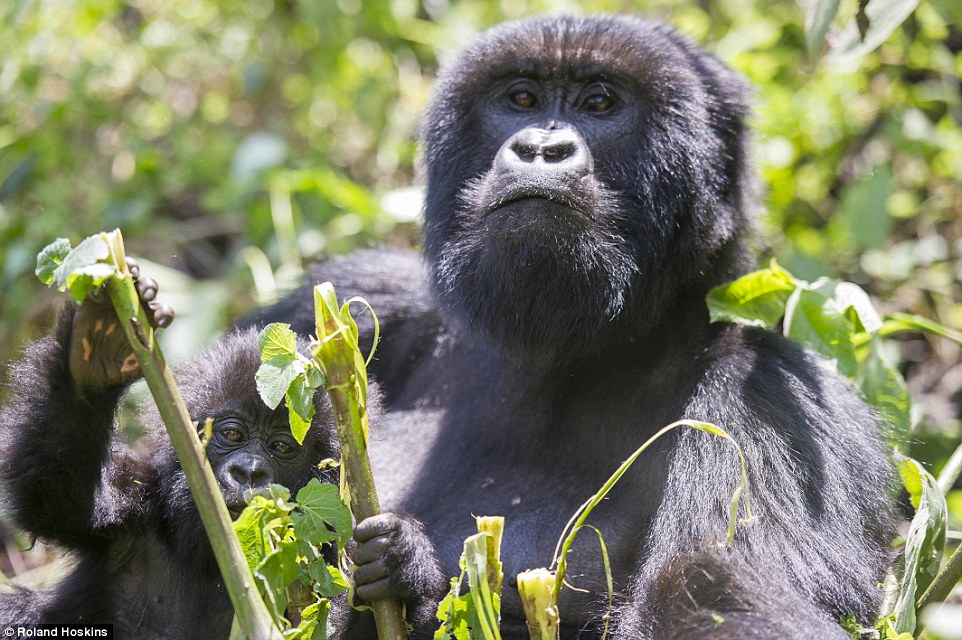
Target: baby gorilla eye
524, 99
598, 103
283, 448
232, 435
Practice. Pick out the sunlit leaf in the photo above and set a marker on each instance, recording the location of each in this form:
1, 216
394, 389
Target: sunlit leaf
277, 340
757, 299
884, 17
84, 256
50, 259
321, 506
812, 319
274, 378
818, 18
899, 322
925, 541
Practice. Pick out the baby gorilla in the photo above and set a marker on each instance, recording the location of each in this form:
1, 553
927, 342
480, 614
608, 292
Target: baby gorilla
143, 560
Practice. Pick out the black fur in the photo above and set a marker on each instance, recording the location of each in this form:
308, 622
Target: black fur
143, 561
561, 321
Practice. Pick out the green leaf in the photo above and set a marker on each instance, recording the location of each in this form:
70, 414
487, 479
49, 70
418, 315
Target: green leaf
275, 573
299, 425
925, 541
50, 259
79, 270
453, 613
899, 322
818, 18
812, 319
757, 299
277, 340
85, 256
327, 580
275, 377
884, 17
300, 406
883, 387
321, 506
848, 295
249, 528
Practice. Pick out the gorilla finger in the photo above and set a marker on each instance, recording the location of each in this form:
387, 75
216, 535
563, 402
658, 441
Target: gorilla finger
133, 267
372, 572
378, 525
161, 315
147, 288
376, 591
371, 550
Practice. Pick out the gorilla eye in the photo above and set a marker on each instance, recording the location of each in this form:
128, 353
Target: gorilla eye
232, 435
283, 448
523, 99
598, 103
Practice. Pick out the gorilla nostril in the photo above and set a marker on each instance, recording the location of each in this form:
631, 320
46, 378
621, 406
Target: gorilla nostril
253, 476
558, 151
526, 151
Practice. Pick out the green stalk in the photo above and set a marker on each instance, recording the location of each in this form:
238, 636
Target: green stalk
941, 586
248, 606
346, 385
539, 597
951, 470
581, 515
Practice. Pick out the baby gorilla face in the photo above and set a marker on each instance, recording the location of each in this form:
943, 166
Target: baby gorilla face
251, 445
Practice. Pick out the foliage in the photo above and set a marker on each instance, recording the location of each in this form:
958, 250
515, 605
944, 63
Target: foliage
475, 615
284, 543
233, 141
835, 319
98, 267
338, 366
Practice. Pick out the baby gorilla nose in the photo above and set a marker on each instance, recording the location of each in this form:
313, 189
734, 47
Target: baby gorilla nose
250, 473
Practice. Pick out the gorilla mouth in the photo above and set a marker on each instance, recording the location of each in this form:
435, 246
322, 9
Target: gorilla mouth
565, 199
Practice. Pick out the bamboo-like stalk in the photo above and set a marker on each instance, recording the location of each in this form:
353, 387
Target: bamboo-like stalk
539, 597
251, 613
350, 417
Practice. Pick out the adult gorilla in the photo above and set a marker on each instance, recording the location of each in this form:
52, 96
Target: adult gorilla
587, 184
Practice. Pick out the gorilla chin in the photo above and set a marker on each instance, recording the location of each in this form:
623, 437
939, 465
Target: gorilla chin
536, 276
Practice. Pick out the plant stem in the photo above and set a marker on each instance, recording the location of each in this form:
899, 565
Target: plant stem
346, 385
356, 467
950, 472
248, 606
942, 585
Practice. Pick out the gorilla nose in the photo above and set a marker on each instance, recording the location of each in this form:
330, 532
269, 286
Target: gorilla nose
558, 149
251, 474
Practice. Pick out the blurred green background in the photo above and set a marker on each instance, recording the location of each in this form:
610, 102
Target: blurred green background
233, 142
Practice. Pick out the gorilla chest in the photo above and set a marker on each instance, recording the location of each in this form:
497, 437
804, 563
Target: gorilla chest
445, 473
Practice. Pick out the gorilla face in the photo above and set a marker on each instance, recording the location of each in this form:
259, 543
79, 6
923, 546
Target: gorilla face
580, 172
250, 445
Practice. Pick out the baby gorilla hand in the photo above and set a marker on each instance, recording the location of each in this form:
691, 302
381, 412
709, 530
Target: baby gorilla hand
395, 559
100, 355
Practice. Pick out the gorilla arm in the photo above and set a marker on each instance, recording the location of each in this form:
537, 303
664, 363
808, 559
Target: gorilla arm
797, 569
66, 480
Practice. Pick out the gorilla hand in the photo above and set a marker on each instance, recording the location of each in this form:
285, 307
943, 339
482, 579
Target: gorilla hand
395, 559
100, 355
